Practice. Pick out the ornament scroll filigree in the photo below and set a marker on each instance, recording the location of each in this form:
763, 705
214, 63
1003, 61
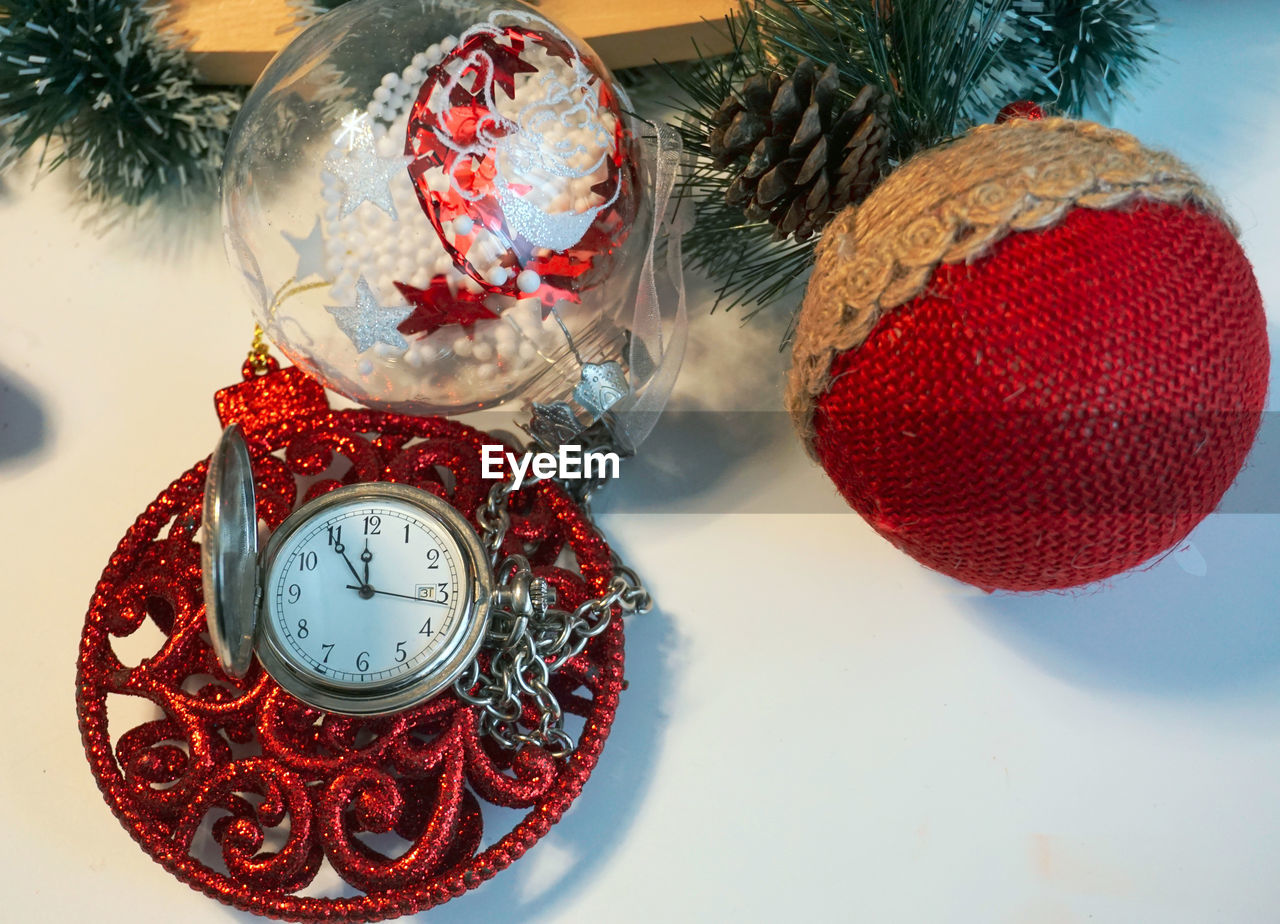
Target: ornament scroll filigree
245, 793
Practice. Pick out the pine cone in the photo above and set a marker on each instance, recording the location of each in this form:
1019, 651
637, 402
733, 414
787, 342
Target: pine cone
800, 155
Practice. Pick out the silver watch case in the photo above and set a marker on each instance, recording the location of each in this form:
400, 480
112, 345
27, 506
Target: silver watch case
233, 572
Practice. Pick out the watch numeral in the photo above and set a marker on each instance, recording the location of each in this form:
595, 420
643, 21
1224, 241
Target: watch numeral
406, 532
444, 593
433, 558
335, 535
328, 650
373, 525
295, 592
401, 654
362, 661
303, 631
308, 561
426, 628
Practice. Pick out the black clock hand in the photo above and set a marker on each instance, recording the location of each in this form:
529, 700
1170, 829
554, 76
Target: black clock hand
366, 556
387, 593
342, 550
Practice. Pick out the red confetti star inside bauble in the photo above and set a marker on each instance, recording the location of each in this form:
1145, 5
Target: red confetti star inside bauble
1034, 357
529, 181
438, 306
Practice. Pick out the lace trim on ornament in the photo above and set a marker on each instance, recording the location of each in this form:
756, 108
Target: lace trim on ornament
951, 204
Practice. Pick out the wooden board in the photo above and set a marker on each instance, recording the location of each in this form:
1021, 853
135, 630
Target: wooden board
234, 39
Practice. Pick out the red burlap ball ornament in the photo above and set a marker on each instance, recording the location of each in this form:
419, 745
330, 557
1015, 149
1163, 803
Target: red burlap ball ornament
1038, 360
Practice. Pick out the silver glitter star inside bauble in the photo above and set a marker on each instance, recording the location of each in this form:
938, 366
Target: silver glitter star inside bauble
367, 322
366, 177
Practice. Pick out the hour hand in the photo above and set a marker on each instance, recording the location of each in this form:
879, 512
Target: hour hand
342, 550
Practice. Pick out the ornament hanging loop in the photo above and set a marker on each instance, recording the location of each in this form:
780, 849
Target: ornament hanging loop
259, 361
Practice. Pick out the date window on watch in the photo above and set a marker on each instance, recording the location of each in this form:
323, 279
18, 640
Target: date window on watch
426, 592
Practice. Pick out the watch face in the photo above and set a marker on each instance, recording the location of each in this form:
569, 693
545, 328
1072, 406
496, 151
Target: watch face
374, 599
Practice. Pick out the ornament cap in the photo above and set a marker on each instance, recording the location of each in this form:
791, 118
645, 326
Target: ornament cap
229, 552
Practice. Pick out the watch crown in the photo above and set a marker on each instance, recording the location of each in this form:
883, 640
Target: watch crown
542, 595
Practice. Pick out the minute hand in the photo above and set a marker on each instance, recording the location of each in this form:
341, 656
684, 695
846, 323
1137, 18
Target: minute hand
387, 593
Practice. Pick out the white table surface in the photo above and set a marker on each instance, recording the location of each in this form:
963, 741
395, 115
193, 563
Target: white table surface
816, 726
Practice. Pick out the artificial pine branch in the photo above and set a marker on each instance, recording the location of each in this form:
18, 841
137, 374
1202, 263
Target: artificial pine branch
927, 55
944, 64
1085, 50
724, 242
94, 84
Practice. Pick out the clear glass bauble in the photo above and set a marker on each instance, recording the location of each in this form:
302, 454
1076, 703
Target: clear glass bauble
440, 206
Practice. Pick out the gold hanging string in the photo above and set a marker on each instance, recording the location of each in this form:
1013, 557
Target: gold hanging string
289, 290
259, 351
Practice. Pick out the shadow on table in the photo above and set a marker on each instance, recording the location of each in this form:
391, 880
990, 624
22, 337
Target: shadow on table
690, 454
169, 230
1164, 632
24, 426
1205, 617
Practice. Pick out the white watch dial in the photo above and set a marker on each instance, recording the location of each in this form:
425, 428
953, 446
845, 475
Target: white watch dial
366, 592
370, 599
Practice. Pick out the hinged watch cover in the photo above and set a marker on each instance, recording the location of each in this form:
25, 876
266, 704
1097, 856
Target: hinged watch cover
229, 553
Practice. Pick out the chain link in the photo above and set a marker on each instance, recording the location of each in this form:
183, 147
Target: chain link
528, 639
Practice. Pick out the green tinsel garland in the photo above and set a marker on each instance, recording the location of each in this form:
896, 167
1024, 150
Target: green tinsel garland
101, 87
95, 85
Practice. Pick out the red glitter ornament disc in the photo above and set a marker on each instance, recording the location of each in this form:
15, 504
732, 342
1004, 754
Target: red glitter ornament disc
284, 789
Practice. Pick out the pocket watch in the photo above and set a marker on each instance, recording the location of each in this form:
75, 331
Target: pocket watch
375, 597
367, 600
